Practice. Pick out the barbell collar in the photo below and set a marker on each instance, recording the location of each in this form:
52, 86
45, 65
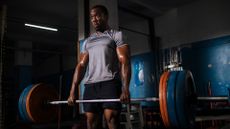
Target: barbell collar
152, 99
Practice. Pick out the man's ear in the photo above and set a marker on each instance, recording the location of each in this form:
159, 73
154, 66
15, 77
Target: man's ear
106, 17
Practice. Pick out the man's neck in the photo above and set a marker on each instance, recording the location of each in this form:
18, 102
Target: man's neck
103, 29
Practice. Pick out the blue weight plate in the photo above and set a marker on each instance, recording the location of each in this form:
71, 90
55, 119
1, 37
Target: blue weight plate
171, 87
190, 102
23, 104
180, 100
21, 113
184, 109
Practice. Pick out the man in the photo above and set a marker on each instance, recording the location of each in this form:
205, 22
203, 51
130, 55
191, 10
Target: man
105, 63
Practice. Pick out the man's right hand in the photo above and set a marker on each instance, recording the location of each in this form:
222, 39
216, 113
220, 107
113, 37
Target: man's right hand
71, 100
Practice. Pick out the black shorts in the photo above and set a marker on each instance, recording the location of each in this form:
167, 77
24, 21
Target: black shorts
102, 90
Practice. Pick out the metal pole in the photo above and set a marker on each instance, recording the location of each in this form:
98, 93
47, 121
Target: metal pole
60, 88
151, 99
220, 98
105, 100
3, 13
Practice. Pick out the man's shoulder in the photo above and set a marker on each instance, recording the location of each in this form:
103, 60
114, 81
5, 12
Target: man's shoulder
89, 37
85, 40
114, 31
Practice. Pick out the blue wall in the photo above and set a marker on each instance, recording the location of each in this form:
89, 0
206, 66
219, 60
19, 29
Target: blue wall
143, 79
209, 60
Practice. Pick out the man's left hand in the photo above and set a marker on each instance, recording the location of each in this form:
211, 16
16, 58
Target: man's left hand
125, 96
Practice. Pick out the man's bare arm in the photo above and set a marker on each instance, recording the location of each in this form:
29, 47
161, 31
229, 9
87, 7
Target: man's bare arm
78, 76
123, 53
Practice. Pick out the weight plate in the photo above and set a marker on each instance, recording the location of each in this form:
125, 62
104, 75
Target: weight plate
162, 98
185, 113
36, 104
21, 104
171, 99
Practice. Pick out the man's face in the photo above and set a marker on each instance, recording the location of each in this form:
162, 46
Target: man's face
98, 19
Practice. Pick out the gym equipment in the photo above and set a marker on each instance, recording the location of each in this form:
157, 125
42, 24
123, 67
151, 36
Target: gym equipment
177, 100
32, 106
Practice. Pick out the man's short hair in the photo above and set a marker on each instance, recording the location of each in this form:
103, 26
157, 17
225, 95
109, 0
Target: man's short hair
103, 9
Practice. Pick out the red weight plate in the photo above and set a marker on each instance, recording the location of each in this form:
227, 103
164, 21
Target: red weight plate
165, 81
36, 104
162, 98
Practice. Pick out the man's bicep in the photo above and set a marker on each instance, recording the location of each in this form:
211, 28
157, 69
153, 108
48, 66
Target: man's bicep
123, 53
84, 58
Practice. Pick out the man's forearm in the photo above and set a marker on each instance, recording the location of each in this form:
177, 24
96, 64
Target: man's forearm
78, 76
126, 74
79, 71
124, 58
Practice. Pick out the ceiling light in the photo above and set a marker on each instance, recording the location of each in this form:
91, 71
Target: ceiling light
41, 27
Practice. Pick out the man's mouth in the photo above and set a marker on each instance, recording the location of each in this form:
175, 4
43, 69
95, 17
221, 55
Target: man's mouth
96, 24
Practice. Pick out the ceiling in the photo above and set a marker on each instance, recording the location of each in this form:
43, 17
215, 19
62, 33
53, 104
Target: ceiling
152, 8
62, 14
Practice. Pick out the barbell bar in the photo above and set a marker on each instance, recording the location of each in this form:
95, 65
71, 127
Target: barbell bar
216, 98
150, 99
176, 91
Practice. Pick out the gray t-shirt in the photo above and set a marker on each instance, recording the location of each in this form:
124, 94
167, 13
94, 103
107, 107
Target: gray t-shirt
103, 61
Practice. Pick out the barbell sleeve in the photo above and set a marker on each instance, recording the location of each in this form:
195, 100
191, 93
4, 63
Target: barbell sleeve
219, 98
152, 99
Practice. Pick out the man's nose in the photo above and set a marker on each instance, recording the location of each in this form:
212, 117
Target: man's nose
93, 19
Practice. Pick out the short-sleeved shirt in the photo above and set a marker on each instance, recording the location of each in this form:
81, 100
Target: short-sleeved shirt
103, 62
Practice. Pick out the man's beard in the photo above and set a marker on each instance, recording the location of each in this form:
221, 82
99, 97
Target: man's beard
100, 28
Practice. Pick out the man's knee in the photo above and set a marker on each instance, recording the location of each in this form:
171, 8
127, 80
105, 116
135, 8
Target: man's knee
111, 115
93, 120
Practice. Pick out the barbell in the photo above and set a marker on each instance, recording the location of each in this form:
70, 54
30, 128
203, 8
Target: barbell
177, 100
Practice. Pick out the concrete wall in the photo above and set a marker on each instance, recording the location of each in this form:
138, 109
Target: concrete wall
70, 56
52, 65
49, 66
201, 20
136, 32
